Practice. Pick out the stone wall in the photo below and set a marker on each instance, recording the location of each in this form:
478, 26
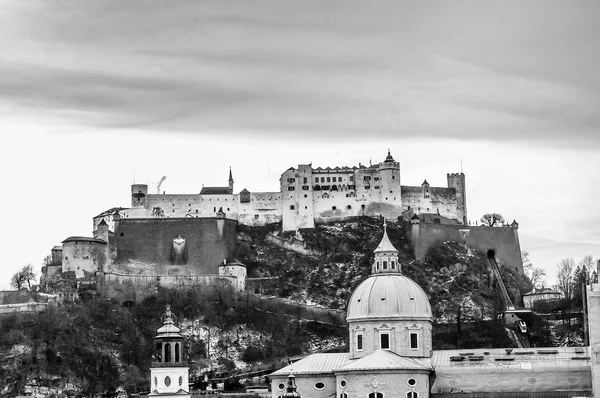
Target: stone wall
126, 287
83, 257
150, 241
504, 241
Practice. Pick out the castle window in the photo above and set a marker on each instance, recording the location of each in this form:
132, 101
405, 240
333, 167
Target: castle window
196, 210
412, 394
292, 207
393, 177
334, 179
362, 206
256, 216
328, 179
359, 342
351, 178
384, 264
121, 234
412, 382
377, 266
414, 341
305, 195
316, 179
384, 340
375, 395
322, 179
349, 207
393, 265
333, 208
319, 386
305, 180
177, 352
343, 395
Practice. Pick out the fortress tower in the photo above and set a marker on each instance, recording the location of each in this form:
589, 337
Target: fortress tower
139, 193
391, 191
457, 181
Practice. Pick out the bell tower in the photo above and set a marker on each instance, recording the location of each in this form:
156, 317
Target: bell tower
386, 256
169, 374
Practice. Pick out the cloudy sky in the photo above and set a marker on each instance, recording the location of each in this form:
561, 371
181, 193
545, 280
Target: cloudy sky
91, 90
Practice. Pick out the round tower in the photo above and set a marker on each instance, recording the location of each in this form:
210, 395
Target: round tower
139, 193
169, 374
390, 190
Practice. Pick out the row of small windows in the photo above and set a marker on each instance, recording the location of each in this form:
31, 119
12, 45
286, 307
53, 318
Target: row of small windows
384, 264
384, 341
349, 207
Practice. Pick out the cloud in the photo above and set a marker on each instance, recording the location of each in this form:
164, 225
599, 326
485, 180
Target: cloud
324, 70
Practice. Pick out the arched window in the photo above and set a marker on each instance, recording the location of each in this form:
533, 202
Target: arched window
292, 207
167, 352
375, 395
343, 395
412, 394
177, 352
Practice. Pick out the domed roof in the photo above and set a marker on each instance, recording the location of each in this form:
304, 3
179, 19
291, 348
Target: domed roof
388, 296
168, 329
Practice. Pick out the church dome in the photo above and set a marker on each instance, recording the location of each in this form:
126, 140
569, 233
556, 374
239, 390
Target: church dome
390, 296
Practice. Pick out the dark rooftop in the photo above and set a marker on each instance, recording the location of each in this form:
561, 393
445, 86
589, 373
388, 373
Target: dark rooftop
215, 191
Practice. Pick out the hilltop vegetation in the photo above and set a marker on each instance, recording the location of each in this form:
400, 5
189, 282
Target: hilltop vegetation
97, 345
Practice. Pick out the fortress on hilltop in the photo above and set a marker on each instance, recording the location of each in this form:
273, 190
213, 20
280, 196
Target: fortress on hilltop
308, 196
188, 239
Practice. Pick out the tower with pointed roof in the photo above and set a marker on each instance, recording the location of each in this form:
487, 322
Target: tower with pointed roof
230, 181
169, 373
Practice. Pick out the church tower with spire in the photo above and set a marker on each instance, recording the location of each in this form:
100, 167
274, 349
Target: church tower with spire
230, 181
169, 373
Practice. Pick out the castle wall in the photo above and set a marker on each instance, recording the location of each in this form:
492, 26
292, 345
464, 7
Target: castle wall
83, 257
263, 208
431, 200
137, 287
503, 240
150, 241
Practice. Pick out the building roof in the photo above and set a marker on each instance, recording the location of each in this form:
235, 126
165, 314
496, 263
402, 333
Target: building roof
215, 191
57, 247
425, 182
387, 360
102, 223
385, 245
111, 211
83, 239
389, 158
389, 296
315, 364
492, 369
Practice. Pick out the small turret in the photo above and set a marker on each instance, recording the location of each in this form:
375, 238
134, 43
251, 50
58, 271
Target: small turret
139, 193
230, 181
291, 388
169, 373
386, 256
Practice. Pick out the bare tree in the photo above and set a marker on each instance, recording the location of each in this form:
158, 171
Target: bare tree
564, 277
491, 219
24, 276
534, 274
589, 265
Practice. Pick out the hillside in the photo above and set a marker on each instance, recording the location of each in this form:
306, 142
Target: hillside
98, 346
453, 277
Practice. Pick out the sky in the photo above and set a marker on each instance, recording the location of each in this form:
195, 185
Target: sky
97, 93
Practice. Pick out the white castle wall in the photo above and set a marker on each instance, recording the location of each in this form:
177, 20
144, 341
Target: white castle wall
302, 201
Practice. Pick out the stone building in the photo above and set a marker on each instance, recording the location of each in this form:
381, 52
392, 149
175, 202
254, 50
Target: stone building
541, 294
307, 196
391, 356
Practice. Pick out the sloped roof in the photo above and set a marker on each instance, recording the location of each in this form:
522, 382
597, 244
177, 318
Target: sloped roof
111, 211
315, 364
57, 247
83, 239
544, 290
215, 191
387, 360
385, 245
425, 182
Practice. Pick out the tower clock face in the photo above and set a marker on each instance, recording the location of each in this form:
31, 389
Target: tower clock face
167, 381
